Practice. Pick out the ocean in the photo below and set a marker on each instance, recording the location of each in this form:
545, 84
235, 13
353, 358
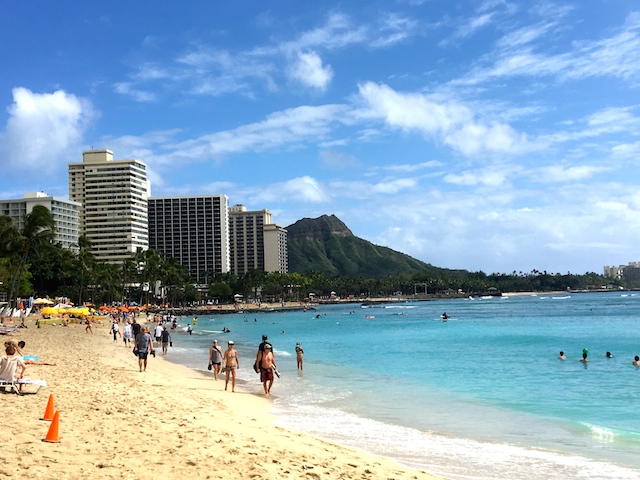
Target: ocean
480, 396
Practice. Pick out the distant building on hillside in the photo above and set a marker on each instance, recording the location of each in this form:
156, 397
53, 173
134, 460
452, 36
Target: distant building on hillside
256, 242
629, 272
64, 212
113, 194
194, 231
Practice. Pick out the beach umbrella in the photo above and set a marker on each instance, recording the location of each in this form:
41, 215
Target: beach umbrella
102, 308
48, 311
122, 308
42, 301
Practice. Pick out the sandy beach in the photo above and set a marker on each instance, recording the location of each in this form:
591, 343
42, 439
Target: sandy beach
170, 421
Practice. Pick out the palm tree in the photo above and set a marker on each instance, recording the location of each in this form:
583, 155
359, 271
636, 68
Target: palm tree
85, 263
39, 230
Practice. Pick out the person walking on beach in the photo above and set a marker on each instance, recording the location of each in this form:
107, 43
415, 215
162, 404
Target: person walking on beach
88, 329
144, 344
126, 333
115, 329
267, 365
215, 358
135, 328
158, 332
166, 338
256, 366
299, 355
232, 364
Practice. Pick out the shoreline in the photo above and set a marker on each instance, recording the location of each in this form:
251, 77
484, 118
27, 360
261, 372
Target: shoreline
116, 422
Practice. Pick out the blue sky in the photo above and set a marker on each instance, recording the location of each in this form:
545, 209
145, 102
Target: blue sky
486, 135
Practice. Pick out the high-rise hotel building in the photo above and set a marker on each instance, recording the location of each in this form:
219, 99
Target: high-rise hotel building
256, 242
194, 231
113, 194
64, 212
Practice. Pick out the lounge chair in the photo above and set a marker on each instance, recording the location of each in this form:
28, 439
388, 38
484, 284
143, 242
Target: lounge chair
9, 386
5, 330
10, 381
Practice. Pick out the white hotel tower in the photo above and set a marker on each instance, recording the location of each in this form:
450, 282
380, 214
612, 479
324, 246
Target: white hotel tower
113, 194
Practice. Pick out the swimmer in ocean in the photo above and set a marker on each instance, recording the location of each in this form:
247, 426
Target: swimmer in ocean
584, 358
561, 356
636, 361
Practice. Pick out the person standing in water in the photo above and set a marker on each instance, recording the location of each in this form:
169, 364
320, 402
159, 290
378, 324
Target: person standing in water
636, 361
561, 356
215, 358
232, 364
165, 336
267, 364
299, 355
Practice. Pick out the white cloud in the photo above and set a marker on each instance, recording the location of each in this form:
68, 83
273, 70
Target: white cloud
43, 130
308, 70
408, 168
447, 120
487, 177
337, 160
302, 189
615, 56
631, 150
559, 173
127, 88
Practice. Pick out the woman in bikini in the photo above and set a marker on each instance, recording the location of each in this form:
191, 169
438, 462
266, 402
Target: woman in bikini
232, 364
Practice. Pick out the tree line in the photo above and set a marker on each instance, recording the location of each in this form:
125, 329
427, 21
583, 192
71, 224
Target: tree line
31, 264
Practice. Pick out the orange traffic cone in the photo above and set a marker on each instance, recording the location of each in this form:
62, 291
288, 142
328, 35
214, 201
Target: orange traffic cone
48, 413
52, 434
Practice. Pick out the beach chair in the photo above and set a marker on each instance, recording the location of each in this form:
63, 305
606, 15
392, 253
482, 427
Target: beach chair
7, 387
5, 330
9, 381
32, 381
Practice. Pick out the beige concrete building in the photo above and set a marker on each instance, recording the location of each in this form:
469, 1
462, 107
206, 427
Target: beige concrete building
113, 194
64, 212
256, 243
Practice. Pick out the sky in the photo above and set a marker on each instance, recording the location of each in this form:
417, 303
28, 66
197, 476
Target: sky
490, 135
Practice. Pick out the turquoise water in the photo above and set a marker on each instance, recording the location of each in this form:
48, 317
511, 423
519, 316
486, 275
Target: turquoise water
479, 396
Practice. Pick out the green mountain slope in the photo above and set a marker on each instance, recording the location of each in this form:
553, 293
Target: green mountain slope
326, 244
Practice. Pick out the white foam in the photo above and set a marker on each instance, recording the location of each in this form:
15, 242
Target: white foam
452, 457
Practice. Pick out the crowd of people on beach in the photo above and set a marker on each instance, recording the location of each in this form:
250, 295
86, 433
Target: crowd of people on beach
145, 340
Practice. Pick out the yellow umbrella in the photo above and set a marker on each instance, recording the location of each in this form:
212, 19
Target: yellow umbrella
48, 311
42, 301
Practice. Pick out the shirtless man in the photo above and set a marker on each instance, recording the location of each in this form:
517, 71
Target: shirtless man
232, 364
561, 356
636, 361
267, 363
584, 358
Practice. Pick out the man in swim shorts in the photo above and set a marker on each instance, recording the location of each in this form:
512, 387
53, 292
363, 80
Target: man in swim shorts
144, 344
267, 365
